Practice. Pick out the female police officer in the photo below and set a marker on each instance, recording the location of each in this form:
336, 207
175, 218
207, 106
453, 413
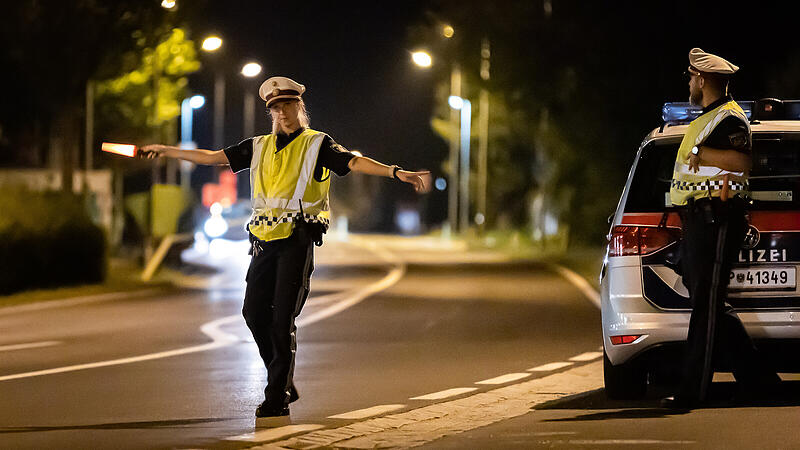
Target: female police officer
289, 180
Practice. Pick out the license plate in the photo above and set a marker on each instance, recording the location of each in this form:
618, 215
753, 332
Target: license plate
771, 278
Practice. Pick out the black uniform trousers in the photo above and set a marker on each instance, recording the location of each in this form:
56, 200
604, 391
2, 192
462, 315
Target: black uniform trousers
713, 232
277, 288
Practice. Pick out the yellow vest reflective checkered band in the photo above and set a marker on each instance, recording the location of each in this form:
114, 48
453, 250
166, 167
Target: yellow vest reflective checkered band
708, 181
282, 186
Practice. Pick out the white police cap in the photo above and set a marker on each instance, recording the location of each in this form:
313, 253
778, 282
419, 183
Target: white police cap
280, 88
706, 62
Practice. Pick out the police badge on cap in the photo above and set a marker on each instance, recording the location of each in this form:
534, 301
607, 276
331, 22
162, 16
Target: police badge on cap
280, 88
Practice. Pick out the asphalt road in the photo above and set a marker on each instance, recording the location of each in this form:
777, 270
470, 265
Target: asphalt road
402, 343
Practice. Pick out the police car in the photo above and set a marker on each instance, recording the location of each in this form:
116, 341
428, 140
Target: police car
645, 306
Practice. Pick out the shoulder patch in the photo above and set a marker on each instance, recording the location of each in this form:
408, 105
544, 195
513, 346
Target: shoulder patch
738, 139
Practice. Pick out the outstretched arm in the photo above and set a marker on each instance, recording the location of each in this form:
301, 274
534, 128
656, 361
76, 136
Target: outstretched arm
369, 166
198, 156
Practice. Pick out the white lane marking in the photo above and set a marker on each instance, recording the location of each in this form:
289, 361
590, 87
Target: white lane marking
625, 442
588, 356
579, 282
8, 348
75, 301
367, 412
211, 329
275, 433
428, 423
550, 366
355, 297
555, 433
502, 379
222, 339
445, 394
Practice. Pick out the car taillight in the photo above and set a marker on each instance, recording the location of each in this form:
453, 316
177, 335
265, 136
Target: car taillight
627, 240
624, 339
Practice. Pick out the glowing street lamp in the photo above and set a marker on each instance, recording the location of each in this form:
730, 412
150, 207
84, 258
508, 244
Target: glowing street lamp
465, 107
422, 58
168, 4
251, 69
187, 107
211, 43
448, 31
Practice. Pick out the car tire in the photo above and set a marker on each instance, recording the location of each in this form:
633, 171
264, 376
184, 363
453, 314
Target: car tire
626, 381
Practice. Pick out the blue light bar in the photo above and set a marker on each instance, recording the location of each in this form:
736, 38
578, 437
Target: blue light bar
685, 112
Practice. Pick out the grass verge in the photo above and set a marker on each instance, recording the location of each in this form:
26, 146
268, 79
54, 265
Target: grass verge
123, 275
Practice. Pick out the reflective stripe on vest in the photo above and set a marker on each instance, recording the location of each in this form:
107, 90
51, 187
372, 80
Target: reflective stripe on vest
282, 186
708, 181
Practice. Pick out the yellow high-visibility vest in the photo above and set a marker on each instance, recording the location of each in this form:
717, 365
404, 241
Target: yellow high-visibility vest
708, 181
282, 186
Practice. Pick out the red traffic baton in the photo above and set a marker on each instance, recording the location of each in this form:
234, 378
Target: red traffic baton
128, 150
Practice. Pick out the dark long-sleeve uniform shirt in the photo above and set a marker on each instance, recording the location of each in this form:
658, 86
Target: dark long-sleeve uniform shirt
332, 156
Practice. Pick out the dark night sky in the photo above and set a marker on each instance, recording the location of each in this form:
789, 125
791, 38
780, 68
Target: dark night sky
362, 89
361, 86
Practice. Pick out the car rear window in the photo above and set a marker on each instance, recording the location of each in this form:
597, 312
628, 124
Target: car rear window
774, 179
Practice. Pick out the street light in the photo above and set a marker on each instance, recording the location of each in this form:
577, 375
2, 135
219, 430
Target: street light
168, 4
422, 58
250, 70
464, 105
448, 31
197, 101
187, 105
211, 43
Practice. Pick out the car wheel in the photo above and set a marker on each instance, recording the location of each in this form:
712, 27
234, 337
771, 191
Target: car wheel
625, 381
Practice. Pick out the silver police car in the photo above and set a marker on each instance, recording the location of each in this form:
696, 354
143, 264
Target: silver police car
645, 306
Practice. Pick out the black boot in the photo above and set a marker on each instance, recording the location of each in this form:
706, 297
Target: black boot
293, 394
267, 410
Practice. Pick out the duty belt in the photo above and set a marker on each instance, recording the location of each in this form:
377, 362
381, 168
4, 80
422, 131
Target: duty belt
707, 185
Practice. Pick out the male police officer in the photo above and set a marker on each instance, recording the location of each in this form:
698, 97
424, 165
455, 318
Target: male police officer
710, 183
289, 180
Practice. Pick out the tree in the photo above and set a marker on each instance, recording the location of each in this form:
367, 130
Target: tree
139, 103
51, 49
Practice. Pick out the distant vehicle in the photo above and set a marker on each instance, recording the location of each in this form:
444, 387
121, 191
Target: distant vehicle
225, 222
645, 306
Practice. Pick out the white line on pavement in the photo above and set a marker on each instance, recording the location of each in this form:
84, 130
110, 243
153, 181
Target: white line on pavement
580, 283
222, 339
428, 423
502, 379
445, 394
8, 348
550, 366
275, 433
625, 442
588, 356
75, 301
211, 329
367, 412
352, 298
